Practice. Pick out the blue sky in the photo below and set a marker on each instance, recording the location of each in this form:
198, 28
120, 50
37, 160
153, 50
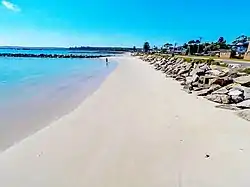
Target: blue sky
119, 23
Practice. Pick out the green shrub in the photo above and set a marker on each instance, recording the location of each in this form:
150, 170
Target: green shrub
189, 60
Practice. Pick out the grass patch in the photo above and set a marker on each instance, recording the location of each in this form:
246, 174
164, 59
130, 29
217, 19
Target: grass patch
189, 60
223, 64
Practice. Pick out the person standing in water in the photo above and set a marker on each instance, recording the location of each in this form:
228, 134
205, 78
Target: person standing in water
107, 62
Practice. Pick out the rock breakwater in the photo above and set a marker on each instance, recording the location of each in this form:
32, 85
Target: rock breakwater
224, 84
19, 55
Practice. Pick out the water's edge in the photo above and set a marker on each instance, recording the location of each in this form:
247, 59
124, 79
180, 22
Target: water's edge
10, 137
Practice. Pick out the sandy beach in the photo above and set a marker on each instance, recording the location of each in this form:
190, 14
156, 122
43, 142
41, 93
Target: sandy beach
138, 129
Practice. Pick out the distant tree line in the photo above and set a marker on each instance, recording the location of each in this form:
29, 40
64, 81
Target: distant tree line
118, 49
196, 46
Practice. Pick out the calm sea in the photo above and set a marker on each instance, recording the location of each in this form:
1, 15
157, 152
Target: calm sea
34, 92
54, 51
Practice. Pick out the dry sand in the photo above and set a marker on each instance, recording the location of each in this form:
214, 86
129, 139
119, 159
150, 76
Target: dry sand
137, 130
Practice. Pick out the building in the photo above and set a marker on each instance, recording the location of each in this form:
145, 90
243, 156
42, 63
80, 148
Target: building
225, 53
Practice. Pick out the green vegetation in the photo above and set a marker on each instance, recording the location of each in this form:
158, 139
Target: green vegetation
189, 60
146, 47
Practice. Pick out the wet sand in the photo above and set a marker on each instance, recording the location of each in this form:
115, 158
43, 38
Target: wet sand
137, 130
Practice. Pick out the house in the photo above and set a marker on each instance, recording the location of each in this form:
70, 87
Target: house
225, 53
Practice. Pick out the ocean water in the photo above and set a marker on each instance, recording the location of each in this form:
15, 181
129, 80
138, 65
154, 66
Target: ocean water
55, 51
34, 92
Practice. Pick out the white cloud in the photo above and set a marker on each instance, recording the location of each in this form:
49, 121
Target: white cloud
10, 6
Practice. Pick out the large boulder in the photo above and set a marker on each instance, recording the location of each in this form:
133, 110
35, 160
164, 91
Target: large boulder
237, 98
243, 89
222, 90
213, 88
246, 92
243, 80
219, 98
236, 95
203, 92
235, 92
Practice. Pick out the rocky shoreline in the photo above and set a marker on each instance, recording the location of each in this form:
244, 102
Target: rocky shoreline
227, 85
50, 55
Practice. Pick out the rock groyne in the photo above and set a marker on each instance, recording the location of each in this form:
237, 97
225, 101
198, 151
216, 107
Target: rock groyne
20, 55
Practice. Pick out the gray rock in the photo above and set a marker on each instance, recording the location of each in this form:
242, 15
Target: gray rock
182, 71
205, 67
213, 88
215, 72
235, 92
227, 107
244, 104
222, 90
244, 80
236, 95
246, 92
197, 88
241, 74
188, 87
225, 99
203, 92
195, 84
236, 87
237, 98
234, 66
219, 98
195, 78
183, 83
180, 78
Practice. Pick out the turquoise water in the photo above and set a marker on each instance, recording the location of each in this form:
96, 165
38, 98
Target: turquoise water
55, 51
17, 73
34, 92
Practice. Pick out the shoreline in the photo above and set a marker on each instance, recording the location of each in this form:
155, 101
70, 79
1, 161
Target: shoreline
47, 107
137, 129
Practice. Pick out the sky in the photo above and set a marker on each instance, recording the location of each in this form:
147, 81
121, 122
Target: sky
64, 23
